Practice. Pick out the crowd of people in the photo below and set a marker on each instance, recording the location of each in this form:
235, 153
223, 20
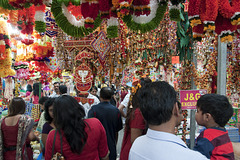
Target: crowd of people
149, 112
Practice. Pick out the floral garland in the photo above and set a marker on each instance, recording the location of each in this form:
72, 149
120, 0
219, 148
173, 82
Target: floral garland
4, 11
112, 27
145, 23
42, 51
26, 20
22, 70
6, 62
68, 23
21, 4
40, 24
4, 4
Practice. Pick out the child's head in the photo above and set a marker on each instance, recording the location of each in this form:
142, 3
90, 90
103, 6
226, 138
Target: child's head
213, 108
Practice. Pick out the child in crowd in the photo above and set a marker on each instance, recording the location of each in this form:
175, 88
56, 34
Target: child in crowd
213, 112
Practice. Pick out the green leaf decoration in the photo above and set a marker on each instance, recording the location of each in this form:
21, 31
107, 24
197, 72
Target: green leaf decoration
76, 2
66, 26
181, 16
150, 25
112, 31
40, 26
174, 14
184, 34
4, 4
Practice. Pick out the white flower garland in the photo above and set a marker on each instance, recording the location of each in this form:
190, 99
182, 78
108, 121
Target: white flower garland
112, 22
225, 32
71, 18
39, 16
142, 19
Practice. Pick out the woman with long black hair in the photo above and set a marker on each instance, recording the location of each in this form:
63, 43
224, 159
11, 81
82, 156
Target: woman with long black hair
81, 138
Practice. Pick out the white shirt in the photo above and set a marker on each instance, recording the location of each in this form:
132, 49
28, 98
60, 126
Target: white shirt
156, 145
87, 106
126, 100
54, 95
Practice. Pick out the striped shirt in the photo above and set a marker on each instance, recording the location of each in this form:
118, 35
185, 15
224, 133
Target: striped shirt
215, 144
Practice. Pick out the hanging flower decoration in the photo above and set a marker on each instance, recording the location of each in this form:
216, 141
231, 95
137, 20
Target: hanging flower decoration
194, 12
112, 27
68, 23
216, 15
5, 4
4, 11
146, 23
13, 17
42, 51
40, 24
6, 62
22, 70
26, 20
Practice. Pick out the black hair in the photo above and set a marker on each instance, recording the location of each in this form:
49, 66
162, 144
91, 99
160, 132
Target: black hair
63, 89
93, 87
36, 89
56, 83
42, 100
156, 101
106, 93
135, 103
16, 106
69, 117
29, 88
218, 106
48, 104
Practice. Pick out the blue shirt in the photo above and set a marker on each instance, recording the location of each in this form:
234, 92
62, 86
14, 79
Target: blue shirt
156, 145
110, 117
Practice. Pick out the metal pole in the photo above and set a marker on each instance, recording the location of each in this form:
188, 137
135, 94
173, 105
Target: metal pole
192, 112
222, 67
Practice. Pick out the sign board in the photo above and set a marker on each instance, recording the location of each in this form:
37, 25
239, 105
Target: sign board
188, 98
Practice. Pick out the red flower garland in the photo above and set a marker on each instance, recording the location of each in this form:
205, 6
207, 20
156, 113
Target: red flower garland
194, 12
226, 10
104, 7
90, 12
26, 20
209, 13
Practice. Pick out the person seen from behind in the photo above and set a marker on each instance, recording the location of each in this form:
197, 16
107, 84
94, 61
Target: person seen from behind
159, 107
135, 124
48, 115
42, 120
16, 132
213, 112
63, 89
81, 138
110, 117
